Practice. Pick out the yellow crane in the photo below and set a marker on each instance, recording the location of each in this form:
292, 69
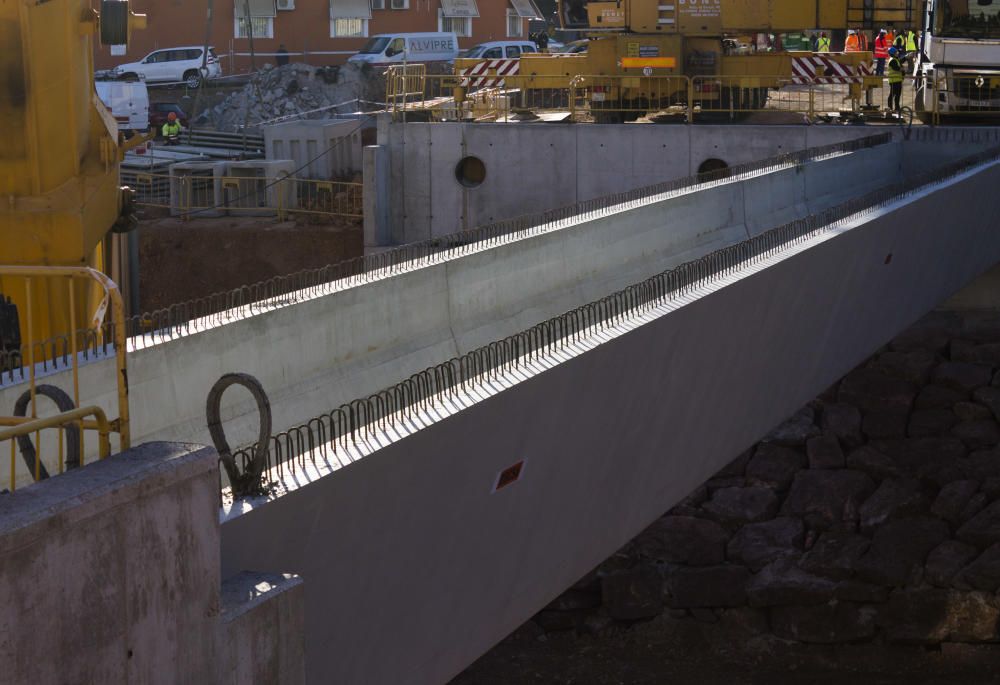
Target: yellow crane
59, 156
649, 50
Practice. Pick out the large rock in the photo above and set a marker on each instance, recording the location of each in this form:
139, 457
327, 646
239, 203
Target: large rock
879, 425
987, 354
684, 540
983, 573
898, 547
710, 586
976, 504
983, 529
990, 398
828, 623
775, 465
930, 423
876, 464
983, 464
843, 421
933, 616
824, 452
633, 595
962, 376
796, 430
873, 390
909, 365
835, 554
828, 498
782, 583
938, 397
977, 434
758, 544
736, 506
895, 498
952, 499
914, 454
946, 560
973, 411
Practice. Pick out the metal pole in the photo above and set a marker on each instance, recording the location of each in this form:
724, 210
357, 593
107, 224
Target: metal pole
249, 22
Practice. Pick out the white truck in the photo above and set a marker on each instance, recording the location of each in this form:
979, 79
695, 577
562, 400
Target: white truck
959, 64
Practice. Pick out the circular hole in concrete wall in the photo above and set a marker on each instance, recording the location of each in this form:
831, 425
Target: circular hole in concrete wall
470, 172
712, 164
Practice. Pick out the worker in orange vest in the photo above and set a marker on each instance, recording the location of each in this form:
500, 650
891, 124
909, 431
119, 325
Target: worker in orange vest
882, 45
853, 43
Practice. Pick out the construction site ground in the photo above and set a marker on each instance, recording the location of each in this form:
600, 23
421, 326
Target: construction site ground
182, 260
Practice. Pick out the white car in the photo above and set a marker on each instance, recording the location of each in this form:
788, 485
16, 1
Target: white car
172, 65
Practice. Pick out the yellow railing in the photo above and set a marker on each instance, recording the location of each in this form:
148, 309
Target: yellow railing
195, 196
682, 98
73, 419
85, 288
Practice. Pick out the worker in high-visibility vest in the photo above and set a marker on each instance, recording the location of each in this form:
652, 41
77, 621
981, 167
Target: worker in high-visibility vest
911, 44
895, 79
171, 129
882, 46
823, 44
853, 43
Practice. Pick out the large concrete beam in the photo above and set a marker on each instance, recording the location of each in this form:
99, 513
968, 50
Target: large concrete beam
317, 354
611, 438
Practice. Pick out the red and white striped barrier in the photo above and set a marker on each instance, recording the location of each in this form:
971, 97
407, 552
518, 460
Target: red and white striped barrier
479, 76
820, 69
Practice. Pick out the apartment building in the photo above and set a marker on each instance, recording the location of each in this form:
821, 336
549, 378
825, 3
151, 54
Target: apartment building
316, 31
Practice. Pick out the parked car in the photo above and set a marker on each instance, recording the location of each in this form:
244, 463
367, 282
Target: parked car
499, 49
396, 48
172, 65
575, 47
128, 103
158, 112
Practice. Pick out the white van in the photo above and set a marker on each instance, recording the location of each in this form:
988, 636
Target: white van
500, 49
395, 48
128, 102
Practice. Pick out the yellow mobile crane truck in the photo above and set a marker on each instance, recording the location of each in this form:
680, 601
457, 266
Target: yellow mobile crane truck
59, 156
634, 44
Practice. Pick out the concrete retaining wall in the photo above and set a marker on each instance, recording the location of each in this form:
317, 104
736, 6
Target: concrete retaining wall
315, 355
111, 574
94, 563
531, 168
611, 438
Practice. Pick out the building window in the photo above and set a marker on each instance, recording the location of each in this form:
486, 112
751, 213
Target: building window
348, 28
263, 27
461, 26
515, 25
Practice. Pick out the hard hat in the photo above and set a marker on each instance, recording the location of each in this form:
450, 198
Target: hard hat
850, 32
881, 30
172, 116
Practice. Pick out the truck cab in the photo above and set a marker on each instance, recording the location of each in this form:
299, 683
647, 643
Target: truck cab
960, 62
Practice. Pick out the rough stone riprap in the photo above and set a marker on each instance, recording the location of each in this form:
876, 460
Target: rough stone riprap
873, 513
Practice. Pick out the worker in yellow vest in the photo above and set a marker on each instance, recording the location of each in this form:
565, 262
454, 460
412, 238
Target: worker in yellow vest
823, 44
895, 73
171, 129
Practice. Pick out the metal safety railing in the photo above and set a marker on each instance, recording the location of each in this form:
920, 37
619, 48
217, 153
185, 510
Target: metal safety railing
325, 435
32, 358
203, 195
611, 99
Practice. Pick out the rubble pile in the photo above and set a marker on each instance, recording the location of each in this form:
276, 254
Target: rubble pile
294, 89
